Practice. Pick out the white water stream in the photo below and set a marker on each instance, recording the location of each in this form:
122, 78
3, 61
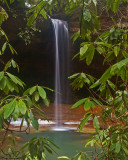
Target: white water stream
61, 67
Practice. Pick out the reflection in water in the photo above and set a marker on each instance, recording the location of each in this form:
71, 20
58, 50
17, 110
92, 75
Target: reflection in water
69, 142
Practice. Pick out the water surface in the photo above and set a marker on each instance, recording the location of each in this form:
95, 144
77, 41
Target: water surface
70, 142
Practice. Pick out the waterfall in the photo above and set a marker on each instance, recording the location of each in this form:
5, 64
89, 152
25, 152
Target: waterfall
61, 67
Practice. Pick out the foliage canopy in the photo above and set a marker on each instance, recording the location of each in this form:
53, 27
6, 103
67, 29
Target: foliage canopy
110, 91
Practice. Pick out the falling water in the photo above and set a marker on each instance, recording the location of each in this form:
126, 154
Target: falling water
61, 67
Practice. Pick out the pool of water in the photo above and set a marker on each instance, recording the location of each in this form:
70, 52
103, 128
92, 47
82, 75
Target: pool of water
70, 142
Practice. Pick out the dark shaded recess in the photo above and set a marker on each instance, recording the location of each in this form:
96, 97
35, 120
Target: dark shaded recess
36, 62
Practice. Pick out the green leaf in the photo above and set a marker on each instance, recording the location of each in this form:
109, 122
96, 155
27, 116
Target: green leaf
100, 50
115, 5
11, 1
4, 46
96, 123
104, 35
83, 50
117, 147
78, 103
36, 96
29, 102
12, 49
112, 147
84, 121
48, 150
97, 102
90, 78
22, 107
90, 54
116, 50
53, 144
75, 36
46, 102
75, 56
15, 79
95, 84
8, 64
32, 90
87, 15
88, 104
125, 149
1, 75
42, 92
9, 108
106, 75
9, 85
33, 149
43, 13
109, 56
16, 112
48, 88
74, 75
112, 85
13, 63
71, 10
125, 54
83, 30
30, 20
123, 74
15, 87
79, 158
27, 91
39, 112
95, 2
92, 143
1, 111
35, 123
